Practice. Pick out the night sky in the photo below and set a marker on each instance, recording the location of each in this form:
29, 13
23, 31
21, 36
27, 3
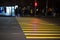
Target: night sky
55, 3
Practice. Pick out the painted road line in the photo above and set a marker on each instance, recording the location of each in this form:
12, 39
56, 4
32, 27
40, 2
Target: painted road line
39, 34
40, 31
32, 24
43, 37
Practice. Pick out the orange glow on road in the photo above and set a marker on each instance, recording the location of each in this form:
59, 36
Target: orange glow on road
35, 24
35, 21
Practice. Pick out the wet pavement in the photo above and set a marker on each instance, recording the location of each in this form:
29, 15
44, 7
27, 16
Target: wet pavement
10, 29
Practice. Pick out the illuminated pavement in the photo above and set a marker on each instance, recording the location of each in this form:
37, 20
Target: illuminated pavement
10, 30
39, 29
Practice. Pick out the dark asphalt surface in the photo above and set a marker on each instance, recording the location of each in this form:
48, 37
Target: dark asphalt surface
10, 30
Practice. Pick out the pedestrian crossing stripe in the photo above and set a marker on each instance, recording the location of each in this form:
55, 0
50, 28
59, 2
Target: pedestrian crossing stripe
43, 37
39, 34
40, 31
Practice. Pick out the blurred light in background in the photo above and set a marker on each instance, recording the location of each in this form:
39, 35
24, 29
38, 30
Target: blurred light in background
12, 11
16, 6
36, 9
36, 4
8, 11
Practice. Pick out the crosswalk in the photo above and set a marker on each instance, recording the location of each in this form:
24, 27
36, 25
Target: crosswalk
42, 30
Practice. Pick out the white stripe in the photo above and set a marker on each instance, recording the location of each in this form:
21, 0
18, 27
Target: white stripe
39, 34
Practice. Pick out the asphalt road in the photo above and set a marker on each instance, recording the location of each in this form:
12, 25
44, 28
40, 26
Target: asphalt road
40, 28
54, 20
10, 29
